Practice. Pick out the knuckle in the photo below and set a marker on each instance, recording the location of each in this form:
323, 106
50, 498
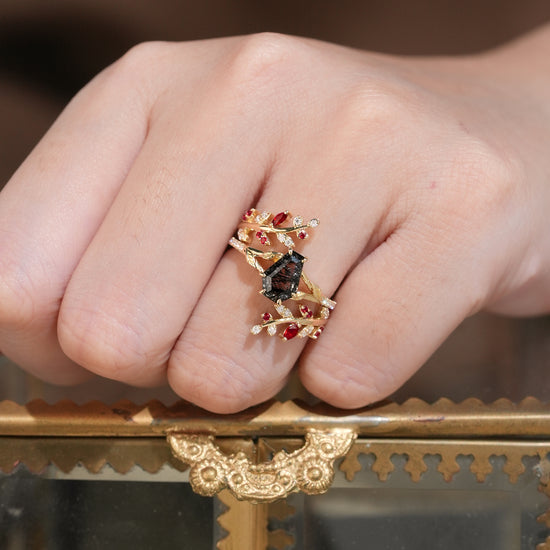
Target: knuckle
262, 58
490, 175
20, 305
101, 343
373, 114
143, 57
379, 103
135, 74
348, 382
211, 379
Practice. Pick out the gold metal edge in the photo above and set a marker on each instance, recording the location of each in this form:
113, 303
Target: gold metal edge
529, 418
244, 523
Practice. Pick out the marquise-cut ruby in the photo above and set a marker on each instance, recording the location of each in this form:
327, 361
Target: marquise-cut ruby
279, 218
291, 331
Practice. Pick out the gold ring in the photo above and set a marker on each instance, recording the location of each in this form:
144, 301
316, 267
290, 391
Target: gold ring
284, 279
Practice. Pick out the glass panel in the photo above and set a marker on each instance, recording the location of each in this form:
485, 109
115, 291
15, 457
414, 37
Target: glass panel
413, 520
38, 513
399, 514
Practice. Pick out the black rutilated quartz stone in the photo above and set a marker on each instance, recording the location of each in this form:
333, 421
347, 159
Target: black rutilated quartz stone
281, 280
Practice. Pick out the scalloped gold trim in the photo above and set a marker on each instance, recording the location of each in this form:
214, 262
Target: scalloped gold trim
122, 454
416, 450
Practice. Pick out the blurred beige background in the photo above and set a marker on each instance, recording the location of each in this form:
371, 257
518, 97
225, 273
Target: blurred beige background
48, 50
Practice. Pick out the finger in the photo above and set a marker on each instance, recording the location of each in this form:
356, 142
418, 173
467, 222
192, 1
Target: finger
217, 363
143, 273
52, 206
394, 310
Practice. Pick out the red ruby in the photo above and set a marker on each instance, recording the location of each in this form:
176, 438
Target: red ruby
247, 215
302, 235
263, 240
279, 218
259, 234
291, 331
306, 312
318, 332
266, 317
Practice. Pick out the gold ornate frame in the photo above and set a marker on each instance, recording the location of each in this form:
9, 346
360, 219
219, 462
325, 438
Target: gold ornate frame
259, 455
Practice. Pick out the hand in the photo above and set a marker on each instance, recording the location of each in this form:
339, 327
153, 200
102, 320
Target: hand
429, 177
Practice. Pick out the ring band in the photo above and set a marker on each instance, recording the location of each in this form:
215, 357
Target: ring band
284, 279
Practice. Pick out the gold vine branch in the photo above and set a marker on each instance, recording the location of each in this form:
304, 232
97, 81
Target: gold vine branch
259, 225
304, 326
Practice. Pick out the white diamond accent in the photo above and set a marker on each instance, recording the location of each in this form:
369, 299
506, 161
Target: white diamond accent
298, 220
306, 331
313, 223
325, 312
237, 244
288, 242
283, 311
256, 329
281, 237
263, 217
272, 330
242, 234
328, 303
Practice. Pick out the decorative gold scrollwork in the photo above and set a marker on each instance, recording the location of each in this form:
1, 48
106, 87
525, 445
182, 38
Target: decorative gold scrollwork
309, 469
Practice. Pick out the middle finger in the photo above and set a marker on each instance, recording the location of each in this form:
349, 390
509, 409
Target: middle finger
131, 294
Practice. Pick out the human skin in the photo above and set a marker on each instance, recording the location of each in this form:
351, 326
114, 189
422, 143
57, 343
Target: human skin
430, 177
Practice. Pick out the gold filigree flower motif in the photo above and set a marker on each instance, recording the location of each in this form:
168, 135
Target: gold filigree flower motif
314, 476
207, 478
